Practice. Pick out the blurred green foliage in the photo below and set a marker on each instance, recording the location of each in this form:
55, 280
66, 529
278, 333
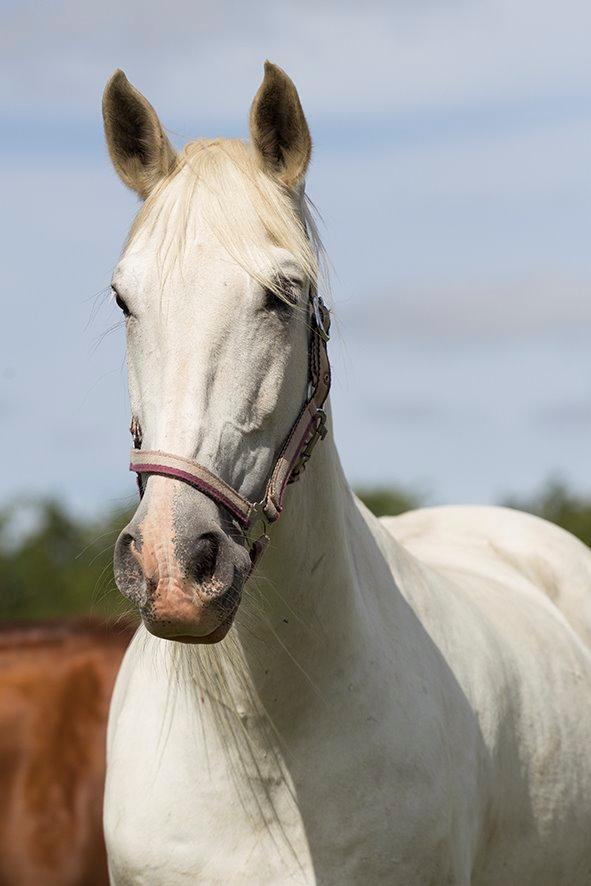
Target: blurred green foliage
558, 504
57, 564
388, 502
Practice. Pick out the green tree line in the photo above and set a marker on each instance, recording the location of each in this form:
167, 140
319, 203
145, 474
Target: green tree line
62, 565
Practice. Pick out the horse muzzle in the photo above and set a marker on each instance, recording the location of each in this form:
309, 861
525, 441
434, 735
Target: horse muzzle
180, 566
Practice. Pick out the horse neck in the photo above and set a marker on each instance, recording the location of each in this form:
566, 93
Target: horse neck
305, 614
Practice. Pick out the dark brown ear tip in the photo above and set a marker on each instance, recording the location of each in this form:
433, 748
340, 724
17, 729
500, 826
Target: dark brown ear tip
274, 73
117, 79
117, 86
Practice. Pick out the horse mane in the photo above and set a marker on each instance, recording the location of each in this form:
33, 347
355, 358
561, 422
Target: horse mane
221, 182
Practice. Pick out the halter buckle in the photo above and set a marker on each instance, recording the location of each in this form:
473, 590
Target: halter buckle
257, 547
317, 307
319, 433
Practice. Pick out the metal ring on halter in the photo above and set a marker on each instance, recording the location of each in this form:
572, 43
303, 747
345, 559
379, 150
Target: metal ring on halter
318, 306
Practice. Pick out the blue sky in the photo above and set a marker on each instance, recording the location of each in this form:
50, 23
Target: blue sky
452, 172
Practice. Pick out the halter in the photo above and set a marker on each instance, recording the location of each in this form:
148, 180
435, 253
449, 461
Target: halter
308, 428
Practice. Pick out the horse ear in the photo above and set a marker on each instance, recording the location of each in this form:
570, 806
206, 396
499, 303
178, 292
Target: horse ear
139, 149
278, 128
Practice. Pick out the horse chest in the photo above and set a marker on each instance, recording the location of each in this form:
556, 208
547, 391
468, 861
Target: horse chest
212, 839
190, 798
196, 794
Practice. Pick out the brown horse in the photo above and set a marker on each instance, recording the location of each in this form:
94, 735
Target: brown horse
56, 680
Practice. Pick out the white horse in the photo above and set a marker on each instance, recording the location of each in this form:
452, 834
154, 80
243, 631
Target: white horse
400, 701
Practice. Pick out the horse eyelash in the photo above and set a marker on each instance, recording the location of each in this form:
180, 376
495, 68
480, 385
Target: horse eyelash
121, 303
289, 288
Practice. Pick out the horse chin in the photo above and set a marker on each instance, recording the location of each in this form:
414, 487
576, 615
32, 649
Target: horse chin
214, 636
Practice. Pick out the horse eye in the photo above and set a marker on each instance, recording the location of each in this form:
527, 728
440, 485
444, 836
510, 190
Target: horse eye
288, 299
120, 303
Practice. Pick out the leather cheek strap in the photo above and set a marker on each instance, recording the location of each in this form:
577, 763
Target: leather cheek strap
308, 427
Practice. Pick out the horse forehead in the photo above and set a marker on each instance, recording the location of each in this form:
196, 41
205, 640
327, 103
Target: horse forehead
208, 283
150, 258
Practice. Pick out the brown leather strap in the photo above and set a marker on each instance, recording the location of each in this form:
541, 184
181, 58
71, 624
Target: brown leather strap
309, 423
145, 461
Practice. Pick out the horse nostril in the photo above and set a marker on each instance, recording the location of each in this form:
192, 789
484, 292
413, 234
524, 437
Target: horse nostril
123, 552
129, 574
204, 556
125, 540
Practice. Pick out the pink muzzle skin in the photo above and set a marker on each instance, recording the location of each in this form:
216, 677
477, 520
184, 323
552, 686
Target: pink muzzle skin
308, 428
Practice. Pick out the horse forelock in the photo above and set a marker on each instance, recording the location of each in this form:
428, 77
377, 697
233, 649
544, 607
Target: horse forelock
219, 182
